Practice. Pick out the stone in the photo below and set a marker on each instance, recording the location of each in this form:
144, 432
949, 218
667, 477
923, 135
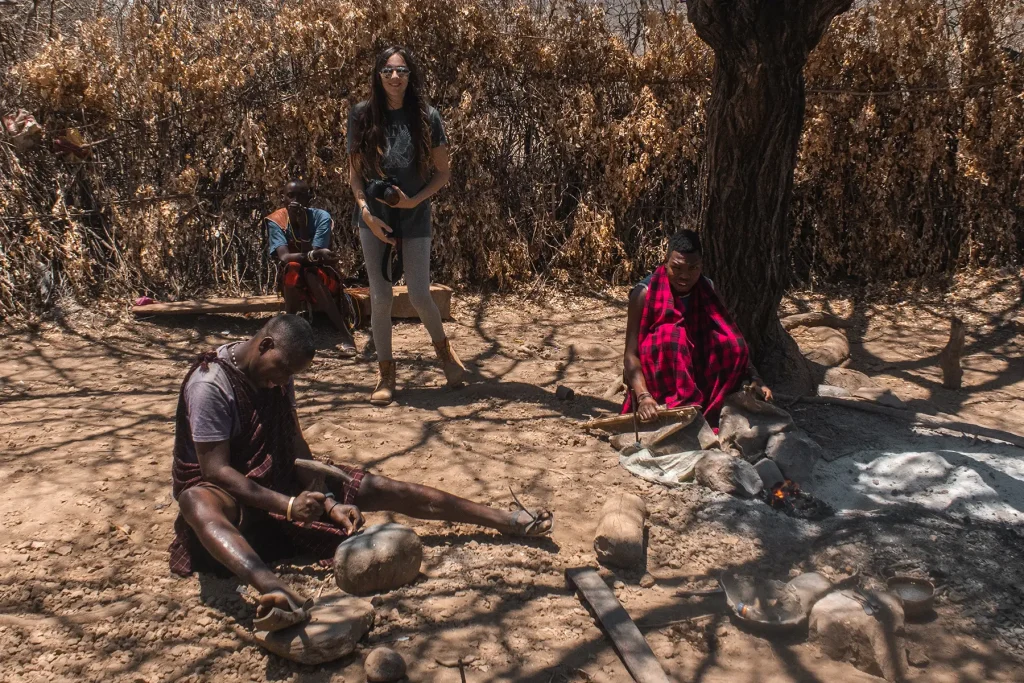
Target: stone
795, 453
747, 423
336, 625
647, 581
728, 474
809, 588
381, 558
823, 345
917, 658
847, 378
769, 472
833, 392
871, 642
384, 665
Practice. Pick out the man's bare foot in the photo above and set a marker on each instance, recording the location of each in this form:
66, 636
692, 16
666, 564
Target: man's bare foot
529, 524
281, 608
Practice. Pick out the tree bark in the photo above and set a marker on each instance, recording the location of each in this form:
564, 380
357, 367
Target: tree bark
755, 118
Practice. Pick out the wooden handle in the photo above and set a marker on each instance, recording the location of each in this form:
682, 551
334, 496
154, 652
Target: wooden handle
623, 421
323, 469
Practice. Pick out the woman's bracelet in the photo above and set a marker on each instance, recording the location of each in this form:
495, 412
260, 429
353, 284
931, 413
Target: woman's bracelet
644, 395
288, 514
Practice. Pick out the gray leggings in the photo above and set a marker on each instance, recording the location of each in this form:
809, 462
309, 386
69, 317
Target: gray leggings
416, 264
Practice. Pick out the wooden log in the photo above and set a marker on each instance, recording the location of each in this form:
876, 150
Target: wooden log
634, 651
619, 540
814, 319
401, 306
618, 422
949, 359
246, 304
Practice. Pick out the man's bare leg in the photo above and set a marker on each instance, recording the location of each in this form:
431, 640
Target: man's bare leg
423, 502
209, 512
327, 304
292, 300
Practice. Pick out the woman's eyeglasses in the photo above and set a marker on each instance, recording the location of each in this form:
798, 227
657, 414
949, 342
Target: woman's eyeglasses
388, 71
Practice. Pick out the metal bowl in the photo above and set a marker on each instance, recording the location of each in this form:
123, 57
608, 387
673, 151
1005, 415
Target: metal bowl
916, 594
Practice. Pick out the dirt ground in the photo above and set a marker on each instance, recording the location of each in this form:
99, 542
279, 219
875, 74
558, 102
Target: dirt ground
86, 426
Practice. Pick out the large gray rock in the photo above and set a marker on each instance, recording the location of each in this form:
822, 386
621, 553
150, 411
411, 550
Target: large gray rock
809, 588
747, 423
847, 378
823, 345
871, 642
728, 474
336, 624
384, 665
380, 559
769, 472
795, 453
833, 392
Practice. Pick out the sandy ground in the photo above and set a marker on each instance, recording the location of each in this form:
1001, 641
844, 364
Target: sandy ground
86, 410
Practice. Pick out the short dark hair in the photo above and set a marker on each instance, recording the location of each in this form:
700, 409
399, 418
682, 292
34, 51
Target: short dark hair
299, 186
292, 335
685, 242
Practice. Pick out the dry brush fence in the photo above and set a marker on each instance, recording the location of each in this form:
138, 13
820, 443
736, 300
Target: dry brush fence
573, 154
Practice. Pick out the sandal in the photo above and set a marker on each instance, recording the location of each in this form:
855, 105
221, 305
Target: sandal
533, 528
276, 618
347, 350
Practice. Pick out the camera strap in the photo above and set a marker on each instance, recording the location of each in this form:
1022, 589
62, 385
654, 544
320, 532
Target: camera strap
391, 266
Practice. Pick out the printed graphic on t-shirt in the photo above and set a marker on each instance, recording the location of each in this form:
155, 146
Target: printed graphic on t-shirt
400, 150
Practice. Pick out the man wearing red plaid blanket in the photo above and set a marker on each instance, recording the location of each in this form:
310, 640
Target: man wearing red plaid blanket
682, 346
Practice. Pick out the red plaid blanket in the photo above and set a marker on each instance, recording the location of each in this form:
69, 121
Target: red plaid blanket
692, 353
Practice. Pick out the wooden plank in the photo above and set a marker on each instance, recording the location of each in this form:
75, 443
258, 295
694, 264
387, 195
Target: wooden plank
246, 304
401, 306
615, 422
634, 651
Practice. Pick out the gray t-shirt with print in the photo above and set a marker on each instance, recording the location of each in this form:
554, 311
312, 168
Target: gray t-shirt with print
399, 162
212, 409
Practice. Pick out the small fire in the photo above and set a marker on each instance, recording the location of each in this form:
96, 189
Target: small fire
788, 498
781, 493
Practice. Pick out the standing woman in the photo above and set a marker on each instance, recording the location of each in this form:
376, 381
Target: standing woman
398, 137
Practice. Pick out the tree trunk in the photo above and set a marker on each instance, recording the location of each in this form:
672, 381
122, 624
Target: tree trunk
755, 118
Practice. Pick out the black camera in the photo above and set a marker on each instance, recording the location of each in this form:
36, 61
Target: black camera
384, 189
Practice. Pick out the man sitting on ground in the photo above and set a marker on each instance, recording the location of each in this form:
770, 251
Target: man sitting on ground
243, 502
300, 239
682, 346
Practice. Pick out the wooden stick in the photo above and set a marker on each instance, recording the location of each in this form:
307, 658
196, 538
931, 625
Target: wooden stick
939, 420
949, 359
323, 469
634, 651
622, 421
815, 319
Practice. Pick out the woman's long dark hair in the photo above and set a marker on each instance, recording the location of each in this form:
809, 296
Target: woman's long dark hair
372, 120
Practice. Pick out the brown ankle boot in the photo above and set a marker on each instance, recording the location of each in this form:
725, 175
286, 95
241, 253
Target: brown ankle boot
454, 371
384, 392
